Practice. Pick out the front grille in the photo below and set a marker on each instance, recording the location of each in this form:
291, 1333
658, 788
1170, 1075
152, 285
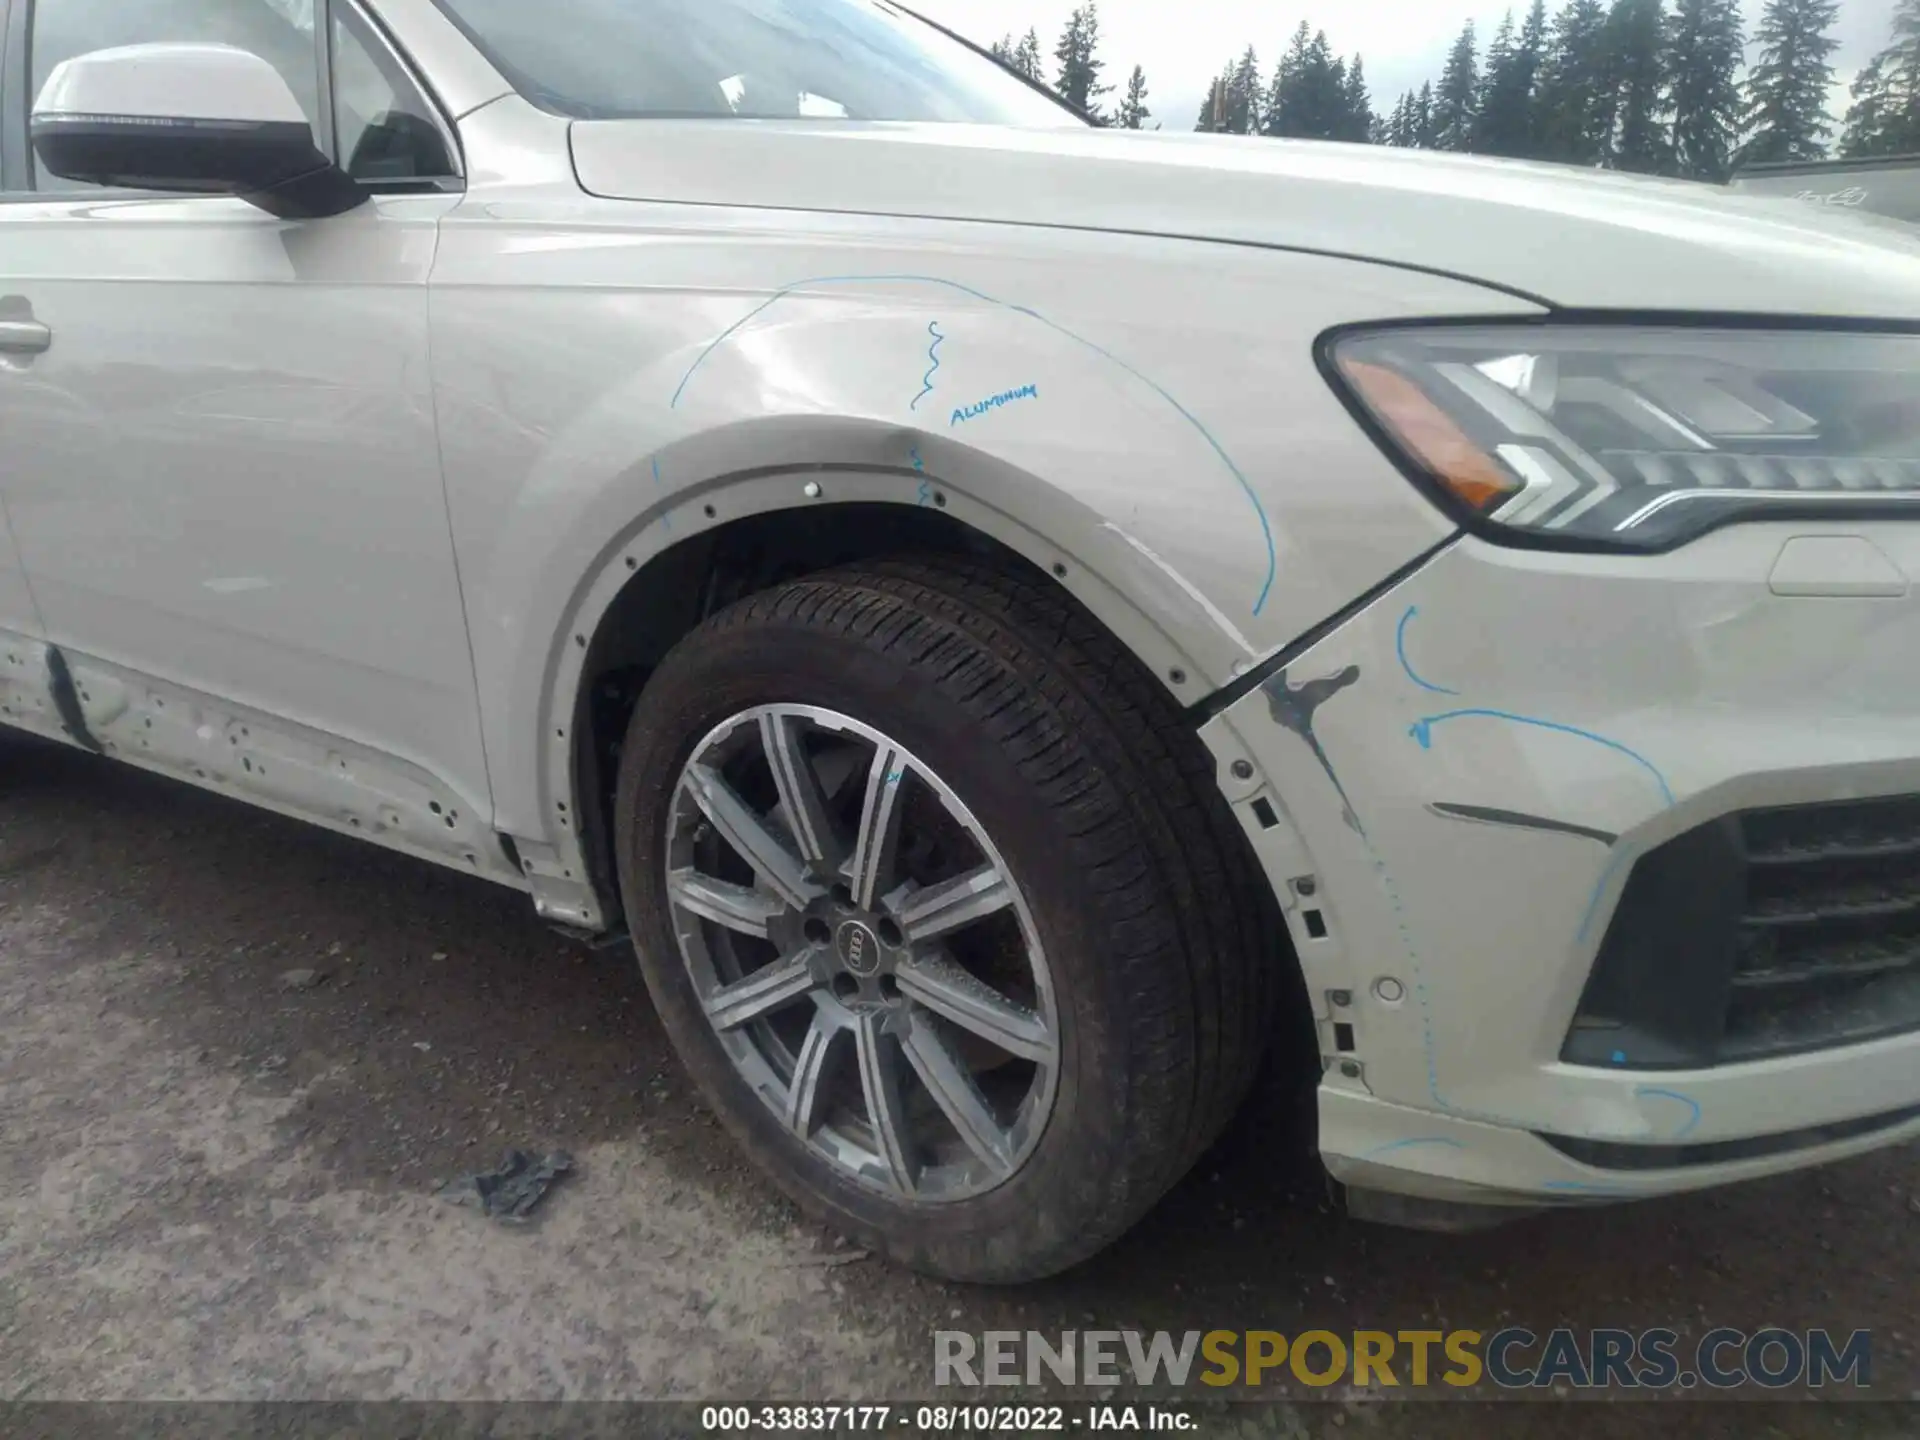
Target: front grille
1761, 934
1829, 946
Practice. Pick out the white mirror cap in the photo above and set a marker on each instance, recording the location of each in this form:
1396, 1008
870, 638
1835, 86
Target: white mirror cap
171, 82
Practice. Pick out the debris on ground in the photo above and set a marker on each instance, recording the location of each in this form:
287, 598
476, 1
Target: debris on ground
301, 979
829, 1262
510, 1190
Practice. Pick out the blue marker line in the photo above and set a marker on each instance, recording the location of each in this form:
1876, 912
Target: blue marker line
920, 468
1400, 644
1266, 527
1422, 731
1652, 1092
1599, 889
926, 381
666, 519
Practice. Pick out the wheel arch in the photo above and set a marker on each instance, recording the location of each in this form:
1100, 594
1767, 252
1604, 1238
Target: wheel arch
731, 537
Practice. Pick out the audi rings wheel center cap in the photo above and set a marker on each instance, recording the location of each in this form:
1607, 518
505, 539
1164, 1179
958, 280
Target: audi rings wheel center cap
858, 948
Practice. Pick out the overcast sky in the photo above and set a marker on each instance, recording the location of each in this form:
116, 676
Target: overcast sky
1184, 43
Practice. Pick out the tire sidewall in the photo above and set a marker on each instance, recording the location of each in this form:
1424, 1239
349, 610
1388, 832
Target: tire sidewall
1071, 1173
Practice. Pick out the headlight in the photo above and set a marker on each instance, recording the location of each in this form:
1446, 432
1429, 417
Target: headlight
1617, 437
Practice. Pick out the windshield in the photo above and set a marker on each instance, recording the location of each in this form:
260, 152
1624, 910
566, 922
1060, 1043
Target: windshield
746, 59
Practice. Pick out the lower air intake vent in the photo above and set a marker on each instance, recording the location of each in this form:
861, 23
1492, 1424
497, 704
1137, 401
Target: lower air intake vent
1761, 934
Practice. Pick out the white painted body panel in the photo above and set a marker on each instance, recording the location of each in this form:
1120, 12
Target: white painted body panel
224, 472
209, 81
16, 598
1576, 238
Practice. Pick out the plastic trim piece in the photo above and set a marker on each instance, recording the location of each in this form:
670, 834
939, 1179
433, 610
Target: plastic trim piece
1609, 1155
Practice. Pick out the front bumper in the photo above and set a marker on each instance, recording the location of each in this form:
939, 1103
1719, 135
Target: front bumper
1449, 792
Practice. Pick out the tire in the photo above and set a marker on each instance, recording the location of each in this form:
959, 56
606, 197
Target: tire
1161, 943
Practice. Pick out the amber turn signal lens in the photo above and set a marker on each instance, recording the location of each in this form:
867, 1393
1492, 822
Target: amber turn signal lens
1429, 434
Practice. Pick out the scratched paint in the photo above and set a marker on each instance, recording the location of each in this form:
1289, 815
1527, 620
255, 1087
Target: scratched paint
992, 403
1654, 1092
1294, 708
1166, 396
1422, 732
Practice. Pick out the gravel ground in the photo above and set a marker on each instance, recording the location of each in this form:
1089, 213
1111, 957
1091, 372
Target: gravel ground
217, 1175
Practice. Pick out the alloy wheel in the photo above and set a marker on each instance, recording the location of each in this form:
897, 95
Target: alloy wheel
862, 951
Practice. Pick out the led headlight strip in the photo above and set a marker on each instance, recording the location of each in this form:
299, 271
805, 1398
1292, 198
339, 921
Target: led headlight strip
1627, 437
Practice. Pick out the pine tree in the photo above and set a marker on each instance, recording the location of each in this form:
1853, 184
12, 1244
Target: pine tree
1400, 123
1500, 118
1310, 92
1357, 120
1786, 91
1491, 135
1133, 111
1705, 43
1527, 66
1425, 130
1455, 104
1244, 94
1505, 124
1573, 108
1213, 109
1868, 117
1234, 105
1885, 116
1079, 79
1026, 57
1285, 109
1325, 84
1641, 141
1002, 49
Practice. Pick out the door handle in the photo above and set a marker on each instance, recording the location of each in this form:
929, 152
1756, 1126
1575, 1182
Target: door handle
24, 337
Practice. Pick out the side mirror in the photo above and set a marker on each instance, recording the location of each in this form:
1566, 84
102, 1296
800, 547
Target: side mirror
197, 119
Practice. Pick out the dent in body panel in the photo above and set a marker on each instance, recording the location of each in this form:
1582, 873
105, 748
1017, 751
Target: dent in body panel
1294, 708
27, 700
564, 327
1620, 701
281, 765
1025, 391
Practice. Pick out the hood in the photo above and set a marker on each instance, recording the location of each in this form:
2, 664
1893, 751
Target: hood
1573, 238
